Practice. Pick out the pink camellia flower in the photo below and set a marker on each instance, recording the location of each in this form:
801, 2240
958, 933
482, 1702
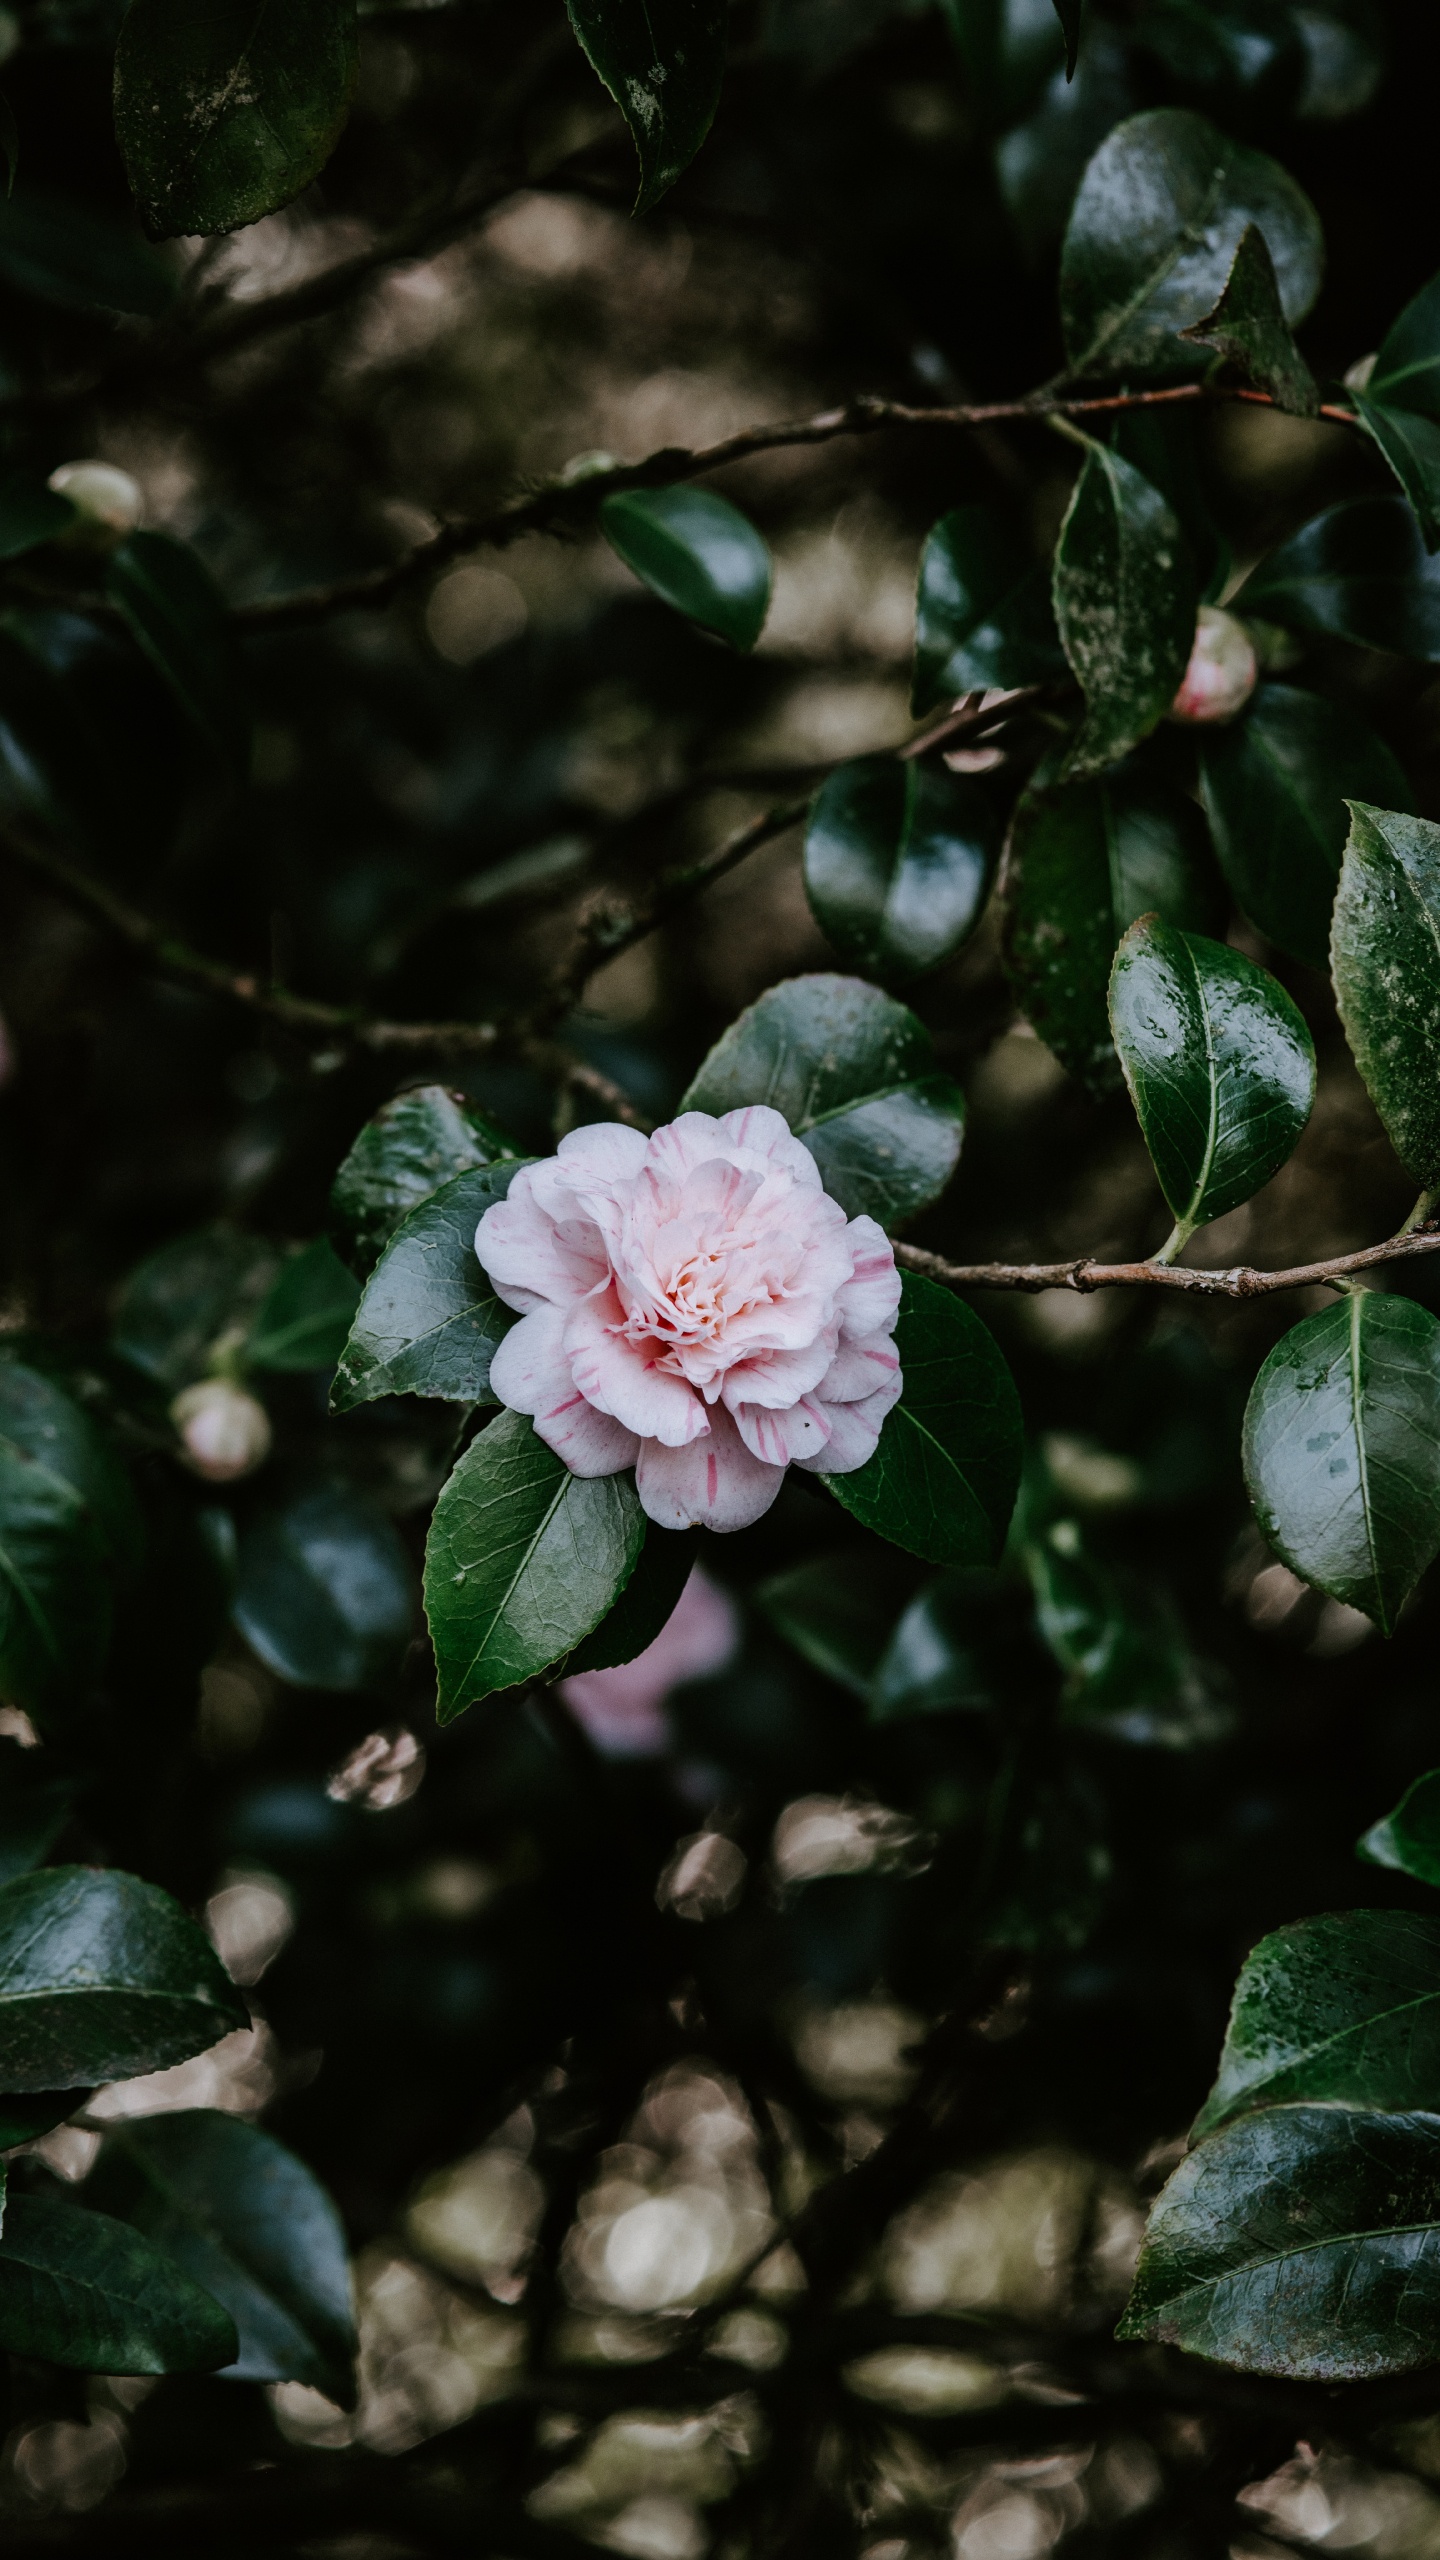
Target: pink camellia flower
697, 1307
1222, 673
623, 1709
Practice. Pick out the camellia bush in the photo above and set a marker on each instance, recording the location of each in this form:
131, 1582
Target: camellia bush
720, 1315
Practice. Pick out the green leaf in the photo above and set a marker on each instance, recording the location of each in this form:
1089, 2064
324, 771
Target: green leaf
1125, 602
415, 1143
29, 513
242, 2217
177, 1305
1302, 2241
523, 1560
1161, 211
938, 1660
102, 1977
1342, 1450
306, 1317
224, 113
60, 251
39, 1419
898, 864
1408, 1838
1084, 862
663, 62
323, 1590
1220, 1066
1130, 1674
838, 1613
55, 1589
983, 616
1345, 2008
1400, 406
942, 1482
854, 1074
647, 1603
1249, 329
1276, 783
429, 1321
1358, 572
181, 621
1411, 446
696, 552
1385, 960
1069, 13
78, 2289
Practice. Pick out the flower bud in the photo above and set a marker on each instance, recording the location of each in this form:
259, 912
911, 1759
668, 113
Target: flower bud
107, 504
1222, 672
224, 1432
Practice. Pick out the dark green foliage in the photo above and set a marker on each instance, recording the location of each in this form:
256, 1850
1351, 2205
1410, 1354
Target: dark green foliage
225, 114
942, 1482
983, 615
179, 618
305, 1320
854, 1074
250, 2225
1220, 1066
83, 2290
323, 1589
697, 552
1248, 328
418, 1141
429, 1321
1409, 1838
1358, 572
103, 1976
662, 62
1344, 2009
202, 1291
898, 864
524, 1560
1385, 945
646, 1604
1342, 1450
1125, 598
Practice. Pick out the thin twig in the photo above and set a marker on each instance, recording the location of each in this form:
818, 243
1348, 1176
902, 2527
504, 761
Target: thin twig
566, 502
1085, 1274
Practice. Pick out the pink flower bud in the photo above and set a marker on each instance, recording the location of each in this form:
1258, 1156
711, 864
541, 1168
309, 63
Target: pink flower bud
108, 504
223, 1431
1222, 672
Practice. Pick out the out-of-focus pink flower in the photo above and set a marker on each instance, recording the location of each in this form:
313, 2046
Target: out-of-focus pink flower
224, 1432
696, 1306
1222, 673
621, 1710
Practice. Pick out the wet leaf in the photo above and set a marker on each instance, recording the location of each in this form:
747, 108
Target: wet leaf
898, 864
663, 62
1249, 329
1125, 602
415, 1143
983, 616
224, 113
1358, 572
942, 1482
102, 1977
1344, 2008
696, 552
1385, 958
429, 1321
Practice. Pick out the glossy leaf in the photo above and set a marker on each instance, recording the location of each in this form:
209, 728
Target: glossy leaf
647, 1603
224, 113
1301, 2241
898, 864
1220, 1066
837, 1616
1344, 2008
854, 1074
29, 514
323, 1590
1084, 862
1008, 50
939, 1659
181, 621
1125, 602
523, 1560
1409, 1838
40, 1420
1161, 211
415, 1143
101, 1977
200, 1291
429, 1321
696, 552
663, 62
943, 1480
1276, 783
1342, 1450
1130, 1674
1411, 445
1249, 329
1385, 959
1358, 572
1400, 405
983, 616
1069, 13
242, 2217
55, 1590
305, 1320
79, 2289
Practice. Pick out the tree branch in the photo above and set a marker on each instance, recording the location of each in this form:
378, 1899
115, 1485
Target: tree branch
564, 503
1085, 1274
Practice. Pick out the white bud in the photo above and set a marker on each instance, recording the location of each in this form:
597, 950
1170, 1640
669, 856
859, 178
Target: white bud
107, 502
224, 1432
1222, 672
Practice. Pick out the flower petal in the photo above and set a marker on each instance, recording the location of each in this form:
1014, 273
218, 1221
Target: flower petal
854, 1431
799, 1431
858, 1368
591, 1443
870, 1298
530, 1263
715, 1483
529, 1367
780, 1378
619, 1377
763, 1132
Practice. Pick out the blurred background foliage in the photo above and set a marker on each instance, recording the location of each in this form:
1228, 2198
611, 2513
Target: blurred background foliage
581, 2007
